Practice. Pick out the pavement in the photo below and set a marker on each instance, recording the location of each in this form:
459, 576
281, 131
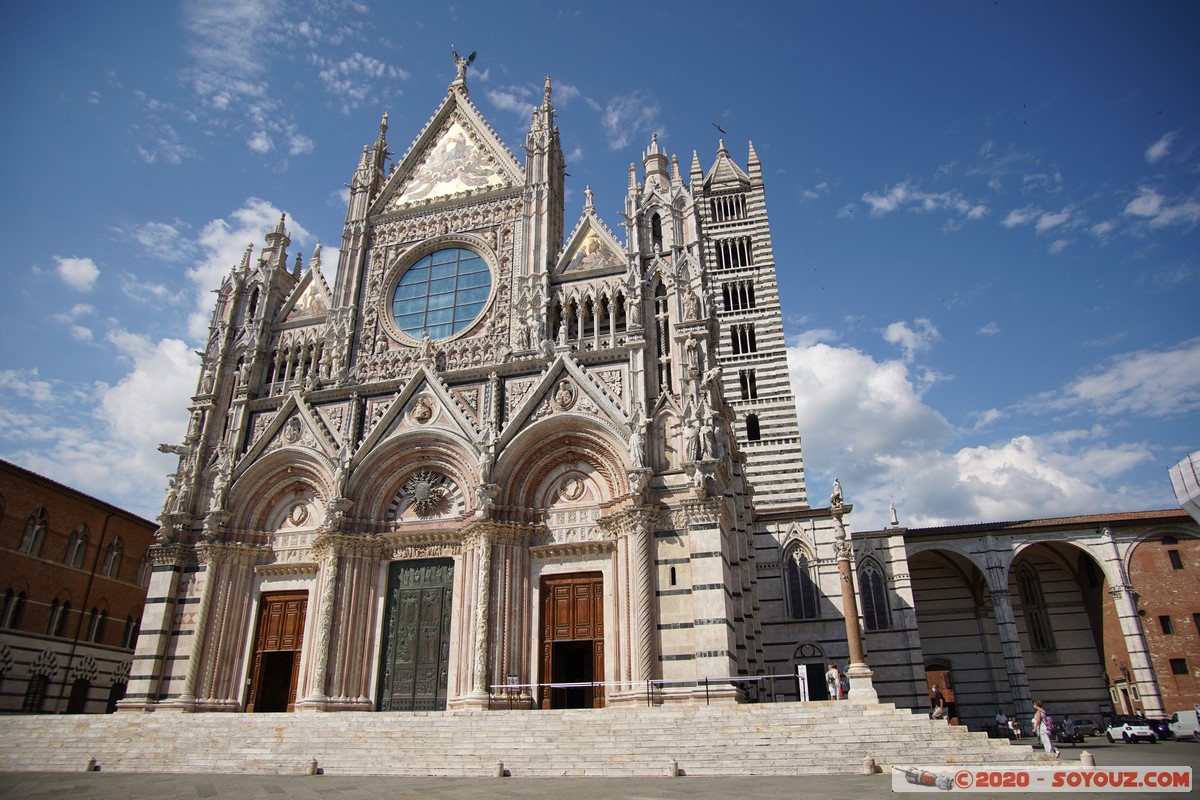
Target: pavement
112, 786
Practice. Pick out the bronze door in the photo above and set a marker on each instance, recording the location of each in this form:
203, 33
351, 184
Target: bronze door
413, 668
277, 645
573, 640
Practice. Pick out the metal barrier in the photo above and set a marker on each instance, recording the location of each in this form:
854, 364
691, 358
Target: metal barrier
754, 689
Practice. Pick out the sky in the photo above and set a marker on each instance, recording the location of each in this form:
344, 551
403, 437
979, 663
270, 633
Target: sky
984, 214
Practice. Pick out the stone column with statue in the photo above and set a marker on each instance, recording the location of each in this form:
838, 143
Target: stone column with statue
862, 690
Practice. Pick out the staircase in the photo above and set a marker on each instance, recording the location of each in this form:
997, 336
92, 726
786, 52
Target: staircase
727, 739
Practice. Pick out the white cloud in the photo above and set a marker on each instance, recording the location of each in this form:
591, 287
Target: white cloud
1160, 149
990, 329
352, 78
260, 142
1020, 216
867, 422
905, 194
162, 241
78, 273
1049, 221
1159, 212
1153, 383
632, 116
80, 333
913, 339
515, 99
1058, 245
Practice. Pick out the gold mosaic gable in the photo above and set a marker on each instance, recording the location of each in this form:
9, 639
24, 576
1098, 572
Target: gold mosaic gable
311, 303
592, 252
455, 164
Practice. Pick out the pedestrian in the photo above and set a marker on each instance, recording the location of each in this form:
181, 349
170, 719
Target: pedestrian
1043, 727
1002, 728
1014, 728
846, 681
937, 703
833, 682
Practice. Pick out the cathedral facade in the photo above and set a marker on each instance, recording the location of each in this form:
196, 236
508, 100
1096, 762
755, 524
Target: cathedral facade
492, 460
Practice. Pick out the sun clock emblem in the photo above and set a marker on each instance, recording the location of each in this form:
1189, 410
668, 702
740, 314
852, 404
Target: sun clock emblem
427, 492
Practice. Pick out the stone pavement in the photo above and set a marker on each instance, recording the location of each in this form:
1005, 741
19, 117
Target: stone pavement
113, 786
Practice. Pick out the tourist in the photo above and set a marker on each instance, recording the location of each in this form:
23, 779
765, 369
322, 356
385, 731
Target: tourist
1042, 727
937, 703
833, 681
1014, 728
1002, 728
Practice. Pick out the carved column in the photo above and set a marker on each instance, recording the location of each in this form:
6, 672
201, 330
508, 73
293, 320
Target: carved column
319, 660
481, 590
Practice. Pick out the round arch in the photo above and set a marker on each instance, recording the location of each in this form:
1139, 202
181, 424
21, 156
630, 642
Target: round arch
538, 454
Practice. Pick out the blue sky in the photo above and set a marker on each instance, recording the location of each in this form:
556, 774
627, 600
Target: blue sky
985, 214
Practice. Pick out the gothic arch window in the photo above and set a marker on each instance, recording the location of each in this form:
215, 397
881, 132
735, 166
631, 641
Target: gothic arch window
873, 588
753, 433
656, 234
58, 619
35, 532
145, 567
97, 621
130, 635
749, 382
253, 307
112, 559
76, 546
801, 588
11, 610
1033, 607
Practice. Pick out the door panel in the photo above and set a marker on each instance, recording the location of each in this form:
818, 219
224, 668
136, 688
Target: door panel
414, 662
573, 639
275, 670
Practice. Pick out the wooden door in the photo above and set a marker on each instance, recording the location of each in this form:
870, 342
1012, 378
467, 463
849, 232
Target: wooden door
275, 671
573, 640
415, 657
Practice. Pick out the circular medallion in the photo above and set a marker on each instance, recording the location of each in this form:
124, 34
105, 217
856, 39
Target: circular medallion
298, 514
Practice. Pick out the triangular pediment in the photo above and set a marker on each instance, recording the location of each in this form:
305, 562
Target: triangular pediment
425, 403
591, 249
296, 424
309, 301
567, 388
457, 156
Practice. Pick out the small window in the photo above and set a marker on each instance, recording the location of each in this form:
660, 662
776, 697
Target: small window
1176, 559
1196, 622
1167, 628
1179, 666
749, 382
752, 432
673, 576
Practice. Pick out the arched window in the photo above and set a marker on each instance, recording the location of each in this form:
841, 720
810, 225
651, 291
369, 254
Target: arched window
76, 546
656, 235
801, 588
874, 596
52, 617
145, 568
35, 532
112, 559
1033, 607
129, 637
96, 623
10, 612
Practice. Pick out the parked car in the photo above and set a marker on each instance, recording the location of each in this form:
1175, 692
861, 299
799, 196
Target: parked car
1185, 724
1068, 733
1088, 727
1161, 727
1130, 729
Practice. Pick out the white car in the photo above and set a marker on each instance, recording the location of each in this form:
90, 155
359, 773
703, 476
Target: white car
1130, 729
1186, 724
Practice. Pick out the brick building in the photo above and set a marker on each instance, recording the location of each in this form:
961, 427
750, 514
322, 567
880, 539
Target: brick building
73, 574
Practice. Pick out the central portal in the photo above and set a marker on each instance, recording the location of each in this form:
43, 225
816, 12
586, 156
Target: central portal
414, 659
573, 640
